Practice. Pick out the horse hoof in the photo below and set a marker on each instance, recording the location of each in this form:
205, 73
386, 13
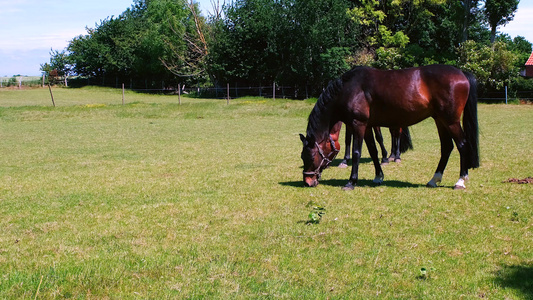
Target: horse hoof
378, 181
431, 185
348, 187
343, 165
459, 187
397, 160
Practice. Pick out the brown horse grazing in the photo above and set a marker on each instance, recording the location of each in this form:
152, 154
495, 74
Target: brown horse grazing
365, 97
400, 143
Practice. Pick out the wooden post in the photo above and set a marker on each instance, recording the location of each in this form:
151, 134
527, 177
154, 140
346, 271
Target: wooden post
179, 93
227, 102
51, 95
274, 91
123, 94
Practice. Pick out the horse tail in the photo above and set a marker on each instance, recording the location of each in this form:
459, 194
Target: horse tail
405, 140
470, 122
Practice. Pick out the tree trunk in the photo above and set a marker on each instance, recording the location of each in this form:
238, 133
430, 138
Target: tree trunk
492, 34
466, 20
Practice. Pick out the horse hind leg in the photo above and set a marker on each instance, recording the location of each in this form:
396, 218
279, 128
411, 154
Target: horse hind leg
446, 147
395, 144
461, 143
379, 139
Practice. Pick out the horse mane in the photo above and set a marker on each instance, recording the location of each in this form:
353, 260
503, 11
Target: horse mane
322, 108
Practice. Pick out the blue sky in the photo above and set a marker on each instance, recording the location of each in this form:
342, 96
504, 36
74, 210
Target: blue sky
30, 28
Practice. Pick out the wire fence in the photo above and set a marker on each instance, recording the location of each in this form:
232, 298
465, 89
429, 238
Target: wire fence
228, 91
503, 97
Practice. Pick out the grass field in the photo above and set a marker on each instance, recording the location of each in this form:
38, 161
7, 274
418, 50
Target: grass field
156, 200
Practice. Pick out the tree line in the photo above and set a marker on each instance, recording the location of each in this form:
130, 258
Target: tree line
300, 43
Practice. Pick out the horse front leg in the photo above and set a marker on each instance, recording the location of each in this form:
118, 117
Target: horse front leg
358, 136
348, 142
372, 149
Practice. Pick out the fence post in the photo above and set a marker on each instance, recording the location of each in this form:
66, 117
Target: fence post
274, 91
51, 95
505, 94
123, 94
227, 102
179, 93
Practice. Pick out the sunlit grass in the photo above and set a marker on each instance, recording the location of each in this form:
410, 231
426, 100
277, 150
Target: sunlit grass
204, 200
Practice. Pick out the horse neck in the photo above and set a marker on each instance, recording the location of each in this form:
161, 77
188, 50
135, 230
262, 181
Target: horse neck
322, 119
326, 128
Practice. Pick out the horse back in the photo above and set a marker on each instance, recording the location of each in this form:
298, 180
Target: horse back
405, 97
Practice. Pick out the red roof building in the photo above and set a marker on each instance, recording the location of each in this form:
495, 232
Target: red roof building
529, 66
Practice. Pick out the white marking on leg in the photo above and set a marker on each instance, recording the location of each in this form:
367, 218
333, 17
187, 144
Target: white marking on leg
460, 185
437, 178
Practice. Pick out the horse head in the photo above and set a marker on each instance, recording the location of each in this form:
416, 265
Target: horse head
316, 157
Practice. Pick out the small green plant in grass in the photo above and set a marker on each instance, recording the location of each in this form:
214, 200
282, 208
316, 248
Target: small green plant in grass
425, 273
317, 211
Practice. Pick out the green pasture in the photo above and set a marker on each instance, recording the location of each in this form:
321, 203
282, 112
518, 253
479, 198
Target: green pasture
204, 200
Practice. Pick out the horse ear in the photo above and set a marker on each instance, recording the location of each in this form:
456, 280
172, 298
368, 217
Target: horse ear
302, 138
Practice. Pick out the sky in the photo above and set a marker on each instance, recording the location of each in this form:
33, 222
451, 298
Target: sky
29, 29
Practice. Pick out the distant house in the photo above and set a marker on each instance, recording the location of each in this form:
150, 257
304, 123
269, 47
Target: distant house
529, 66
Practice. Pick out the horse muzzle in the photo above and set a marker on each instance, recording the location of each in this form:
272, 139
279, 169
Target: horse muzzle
311, 181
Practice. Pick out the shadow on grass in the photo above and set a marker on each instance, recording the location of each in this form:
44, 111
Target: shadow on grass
361, 183
517, 277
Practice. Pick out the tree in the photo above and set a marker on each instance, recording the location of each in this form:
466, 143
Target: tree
303, 43
498, 13
138, 44
493, 66
401, 33
60, 63
181, 29
468, 16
